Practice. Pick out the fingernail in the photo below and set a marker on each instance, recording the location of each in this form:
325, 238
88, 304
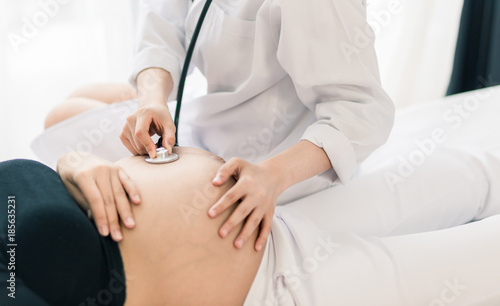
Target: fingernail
238, 243
137, 198
217, 178
223, 233
211, 212
129, 221
104, 230
258, 247
117, 234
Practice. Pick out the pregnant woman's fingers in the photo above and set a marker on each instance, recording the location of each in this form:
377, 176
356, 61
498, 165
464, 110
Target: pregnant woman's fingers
104, 182
121, 200
130, 187
88, 187
77, 195
103, 187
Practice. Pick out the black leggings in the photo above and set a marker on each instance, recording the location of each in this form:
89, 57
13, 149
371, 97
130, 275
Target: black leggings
56, 253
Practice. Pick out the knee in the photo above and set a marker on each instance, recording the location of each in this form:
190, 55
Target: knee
72, 107
63, 111
89, 97
58, 114
55, 115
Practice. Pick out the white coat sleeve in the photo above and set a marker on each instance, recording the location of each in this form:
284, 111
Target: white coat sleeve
327, 49
160, 38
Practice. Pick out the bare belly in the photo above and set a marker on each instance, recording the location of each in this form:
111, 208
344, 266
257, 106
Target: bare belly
174, 255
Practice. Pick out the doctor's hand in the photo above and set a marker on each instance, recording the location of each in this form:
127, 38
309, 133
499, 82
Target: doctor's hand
258, 188
151, 118
102, 188
154, 85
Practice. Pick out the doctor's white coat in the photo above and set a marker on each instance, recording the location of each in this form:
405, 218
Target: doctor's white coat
278, 71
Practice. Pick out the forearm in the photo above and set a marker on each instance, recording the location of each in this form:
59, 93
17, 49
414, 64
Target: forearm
154, 85
296, 164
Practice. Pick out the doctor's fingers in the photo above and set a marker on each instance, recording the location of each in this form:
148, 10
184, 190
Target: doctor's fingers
131, 135
230, 168
124, 137
168, 137
248, 211
229, 199
155, 119
142, 135
129, 140
252, 223
265, 230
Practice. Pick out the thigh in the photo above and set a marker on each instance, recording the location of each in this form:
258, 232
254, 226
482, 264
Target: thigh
456, 266
450, 187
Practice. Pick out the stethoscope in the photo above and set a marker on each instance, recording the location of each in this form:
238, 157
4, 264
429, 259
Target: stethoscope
162, 155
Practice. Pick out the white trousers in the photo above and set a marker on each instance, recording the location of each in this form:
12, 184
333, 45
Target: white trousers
406, 231
370, 245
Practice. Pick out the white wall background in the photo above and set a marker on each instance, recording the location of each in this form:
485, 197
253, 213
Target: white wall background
91, 41
416, 48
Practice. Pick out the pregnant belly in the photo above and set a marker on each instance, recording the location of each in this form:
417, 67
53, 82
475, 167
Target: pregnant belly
174, 255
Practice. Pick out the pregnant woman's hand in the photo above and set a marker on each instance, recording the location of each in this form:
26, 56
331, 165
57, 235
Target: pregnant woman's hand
101, 187
258, 188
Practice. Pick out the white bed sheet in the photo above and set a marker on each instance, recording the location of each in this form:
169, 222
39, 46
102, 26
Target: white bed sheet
464, 121
476, 125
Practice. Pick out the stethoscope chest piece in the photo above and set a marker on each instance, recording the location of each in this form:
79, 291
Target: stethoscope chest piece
162, 157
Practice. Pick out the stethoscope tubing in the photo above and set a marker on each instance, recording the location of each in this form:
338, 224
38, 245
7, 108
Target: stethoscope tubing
185, 67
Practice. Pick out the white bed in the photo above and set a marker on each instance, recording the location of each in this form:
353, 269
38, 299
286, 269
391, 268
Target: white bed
461, 152
96, 131
461, 122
